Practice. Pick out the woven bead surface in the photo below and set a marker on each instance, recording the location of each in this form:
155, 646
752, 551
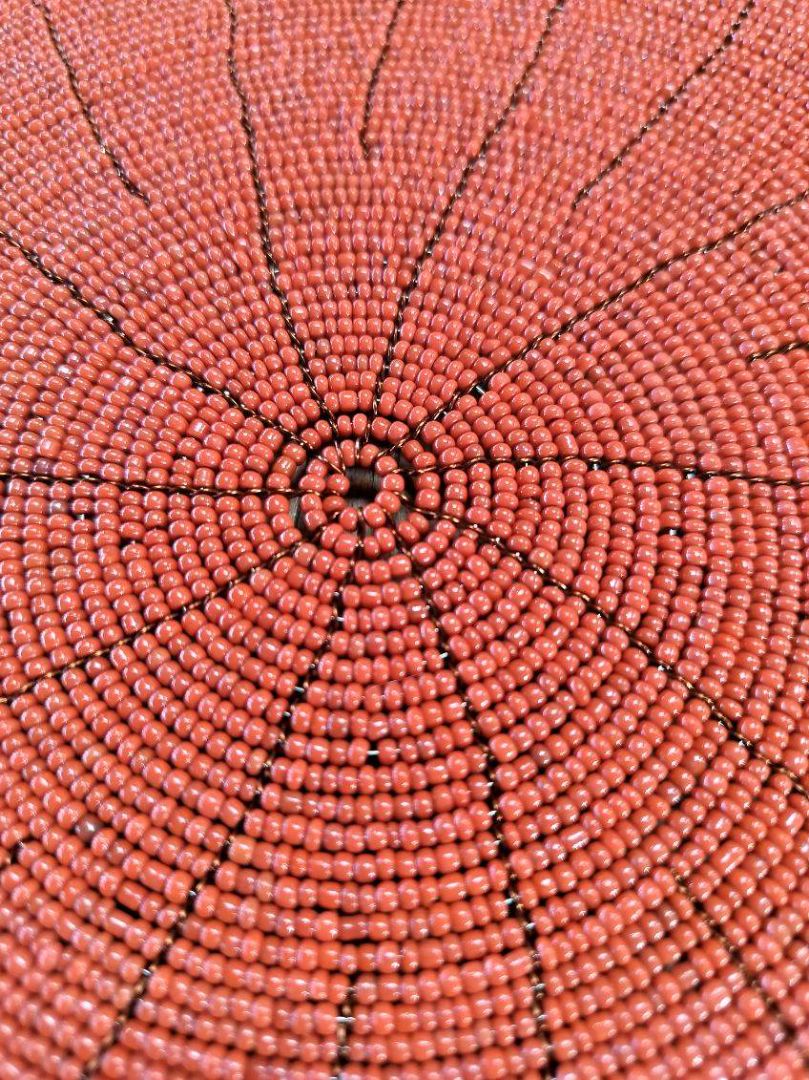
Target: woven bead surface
404, 539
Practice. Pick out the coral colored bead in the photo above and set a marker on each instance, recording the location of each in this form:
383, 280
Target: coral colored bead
404, 502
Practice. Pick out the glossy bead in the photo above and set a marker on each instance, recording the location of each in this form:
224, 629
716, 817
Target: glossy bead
404, 502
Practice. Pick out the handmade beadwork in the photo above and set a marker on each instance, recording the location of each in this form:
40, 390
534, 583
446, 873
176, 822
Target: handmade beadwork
404, 517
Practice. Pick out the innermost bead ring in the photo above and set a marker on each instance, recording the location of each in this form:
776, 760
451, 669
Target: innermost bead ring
354, 501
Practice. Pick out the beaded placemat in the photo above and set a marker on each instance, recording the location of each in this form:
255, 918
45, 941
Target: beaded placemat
404, 539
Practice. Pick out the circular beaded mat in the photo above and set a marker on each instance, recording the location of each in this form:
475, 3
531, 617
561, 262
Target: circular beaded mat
404, 514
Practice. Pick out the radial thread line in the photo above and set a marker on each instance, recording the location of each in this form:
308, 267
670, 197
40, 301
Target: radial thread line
137, 485
345, 1023
84, 105
777, 350
693, 691
737, 959
372, 84
263, 218
457, 193
687, 471
208, 878
111, 321
12, 856
494, 795
596, 609
148, 628
482, 383
667, 104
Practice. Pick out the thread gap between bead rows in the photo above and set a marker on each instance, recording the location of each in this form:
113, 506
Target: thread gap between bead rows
95, 130
375, 74
174, 934
260, 194
493, 795
136, 485
737, 959
687, 471
666, 104
149, 628
457, 193
706, 248
596, 609
113, 323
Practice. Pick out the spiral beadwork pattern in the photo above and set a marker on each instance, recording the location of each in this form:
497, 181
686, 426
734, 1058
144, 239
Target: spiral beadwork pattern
404, 540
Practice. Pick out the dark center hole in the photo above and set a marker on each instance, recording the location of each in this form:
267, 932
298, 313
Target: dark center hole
363, 486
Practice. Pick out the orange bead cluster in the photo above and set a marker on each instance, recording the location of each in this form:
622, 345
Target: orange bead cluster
404, 540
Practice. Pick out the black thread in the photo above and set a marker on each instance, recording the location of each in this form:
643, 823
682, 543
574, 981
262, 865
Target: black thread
737, 959
207, 879
612, 298
665, 105
345, 1023
12, 856
84, 105
369, 97
458, 191
35, 260
263, 218
777, 350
